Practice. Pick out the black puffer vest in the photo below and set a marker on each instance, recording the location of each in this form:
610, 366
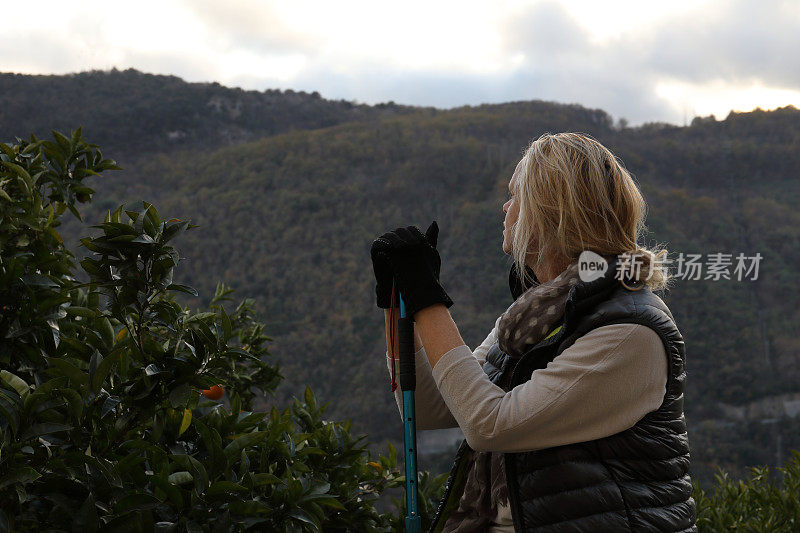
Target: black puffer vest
634, 480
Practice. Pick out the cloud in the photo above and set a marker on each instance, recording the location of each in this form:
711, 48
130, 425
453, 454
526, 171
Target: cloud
741, 51
255, 26
545, 32
39, 51
740, 44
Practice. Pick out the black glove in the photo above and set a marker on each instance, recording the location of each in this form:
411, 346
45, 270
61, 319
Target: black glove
383, 278
383, 270
415, 264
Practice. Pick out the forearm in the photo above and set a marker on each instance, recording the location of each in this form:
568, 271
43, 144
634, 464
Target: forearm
391, 328
431, 410
437, 332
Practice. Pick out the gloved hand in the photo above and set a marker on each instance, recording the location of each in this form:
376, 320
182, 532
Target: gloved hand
383, 270
383, 278
415, 265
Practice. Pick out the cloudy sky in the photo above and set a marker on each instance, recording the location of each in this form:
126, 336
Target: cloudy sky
644, 61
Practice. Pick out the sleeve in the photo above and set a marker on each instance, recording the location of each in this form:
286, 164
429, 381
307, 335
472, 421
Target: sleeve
483, 348
601, 385
431, 410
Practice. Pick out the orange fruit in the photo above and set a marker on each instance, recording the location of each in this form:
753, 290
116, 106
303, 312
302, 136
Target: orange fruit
214, 393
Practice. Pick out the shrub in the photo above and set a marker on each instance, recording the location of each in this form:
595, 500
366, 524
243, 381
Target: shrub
103, 427
754, 504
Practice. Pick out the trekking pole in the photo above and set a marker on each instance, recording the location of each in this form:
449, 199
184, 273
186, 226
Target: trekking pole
408, 383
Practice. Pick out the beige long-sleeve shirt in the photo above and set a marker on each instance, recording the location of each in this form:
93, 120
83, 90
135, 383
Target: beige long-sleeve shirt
603, 384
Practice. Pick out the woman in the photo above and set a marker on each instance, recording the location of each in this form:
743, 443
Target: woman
572, 407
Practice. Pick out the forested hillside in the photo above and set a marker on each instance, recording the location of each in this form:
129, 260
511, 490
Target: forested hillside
132, 111
288, 219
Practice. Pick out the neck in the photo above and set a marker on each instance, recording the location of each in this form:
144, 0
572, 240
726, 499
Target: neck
549, 269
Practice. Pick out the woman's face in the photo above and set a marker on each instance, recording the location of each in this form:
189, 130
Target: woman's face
511, 209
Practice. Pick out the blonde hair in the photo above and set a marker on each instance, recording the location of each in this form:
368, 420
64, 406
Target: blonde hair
575, 195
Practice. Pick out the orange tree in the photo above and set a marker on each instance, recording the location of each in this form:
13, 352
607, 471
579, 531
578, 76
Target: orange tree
100, 379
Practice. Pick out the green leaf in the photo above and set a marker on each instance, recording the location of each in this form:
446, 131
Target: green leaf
155, 454
172, 492
138, 501
186, 420
65, 368
311, 401
159, 421
199, 471
116, 227
61, 140
249, 421
106, 332
143, 239
180, 478
331, 502
301, 515
15, 381
9, 408
39, 280
213, 444
223, 487
86, 519
250, 507
152, 216
264, 478
248, 439
22, 173
94, 362
105, 367
20, 474
105, 468
182, 288
8, 150
81, 311
180, 395
74, 212
226, 324
43, 428
75, 401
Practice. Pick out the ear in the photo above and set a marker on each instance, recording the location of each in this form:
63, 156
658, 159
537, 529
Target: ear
432, 234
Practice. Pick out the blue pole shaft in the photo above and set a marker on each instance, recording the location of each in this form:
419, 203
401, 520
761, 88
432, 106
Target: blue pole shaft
408, 384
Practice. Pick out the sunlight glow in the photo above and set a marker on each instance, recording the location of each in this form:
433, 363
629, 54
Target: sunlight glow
720, 97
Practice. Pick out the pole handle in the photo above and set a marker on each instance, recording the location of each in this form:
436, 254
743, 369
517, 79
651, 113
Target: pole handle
405, 332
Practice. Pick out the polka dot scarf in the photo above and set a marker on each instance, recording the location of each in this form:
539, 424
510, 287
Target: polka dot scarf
535, 313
